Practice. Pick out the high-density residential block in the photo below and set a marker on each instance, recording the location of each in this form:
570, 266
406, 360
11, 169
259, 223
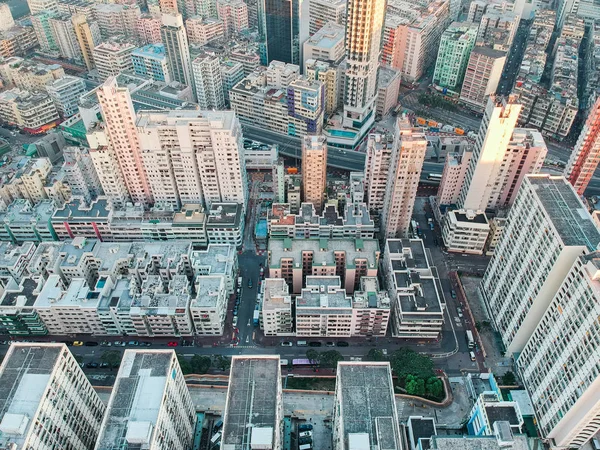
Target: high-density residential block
17, 41
117, 19
119, 117
234, 14
29, 75
174, 38
416, 292
547, 229
327, 44
280, 75
388, 87
403, 176
209, 308
65, 93
45, 385
364, 411
113, 57
254, 396
350, 259
377, 166
148, 29
232, 73
585, 156
480, 190
43, 31
151, 61
560, 364
88, 37
24, 222
27, 182
330, 76
225, 224
456, 44
18, 316
321, 12
314, 170
465, 231
33, 111
208, 82
202, 30
323, 308
497, 29
158, 412
15, 258
204, 161
482, 76
276, 307
453, 176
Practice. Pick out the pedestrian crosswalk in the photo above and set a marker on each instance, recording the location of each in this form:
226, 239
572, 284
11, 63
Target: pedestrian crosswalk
245, 346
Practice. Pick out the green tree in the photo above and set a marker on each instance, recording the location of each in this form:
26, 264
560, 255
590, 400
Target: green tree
434, 388
414, 385
200, 364
406, 362
313, 355
330, 358
112, 358
222, 362
186, 367
376, 355
509, 379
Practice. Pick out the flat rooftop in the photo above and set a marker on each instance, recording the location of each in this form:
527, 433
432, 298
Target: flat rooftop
520, 442
368, 405
216, 259
24, 376
136, 398
276, 294
224, 214
10, 254
502, 412
569, 216
23, 296
323, 251
253, 399
76, 210
208, 288
407, 253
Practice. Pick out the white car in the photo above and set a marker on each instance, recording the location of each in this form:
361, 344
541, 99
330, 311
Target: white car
235, 319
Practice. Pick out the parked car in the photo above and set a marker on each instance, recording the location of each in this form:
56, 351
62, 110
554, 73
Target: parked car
91, 344
119, 344
305, 427
104, 365
452, 293
91, 365
235, 320
342, 344
330, 344
105, 344
249, 283
77, 343
314, 344
172, 344
286, 344
134, 343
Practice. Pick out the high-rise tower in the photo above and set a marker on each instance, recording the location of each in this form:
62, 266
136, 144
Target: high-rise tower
364, 34
314, 170
586, 154
175, 40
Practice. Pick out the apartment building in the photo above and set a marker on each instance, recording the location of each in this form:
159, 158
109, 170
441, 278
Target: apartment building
353, 222
17, 41
119, 118
160, 412
204, 161
280, 75
453, 176
388, 88
202, 30
14, 259
113, 57
295, 259
24, 222
80, 173
254, 395
231, 73
225, 224
314, 170
27, 182
465, 231
65, 92
47, 386
65, 38
234, 14
415, 291
151, 61
206, 72
482, 76
148, 29
377, 167
497, 29
547, 228
584, 157
88, 36
403, 177
29, 75
174, 37
330, 76
276, 308
33, 111
209, 308
43, 31
320, 12
358, 421
17, 314
327, 44
559, 364
117, 19
456, 44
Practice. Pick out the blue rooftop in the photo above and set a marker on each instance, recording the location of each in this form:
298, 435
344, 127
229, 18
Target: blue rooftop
156, 51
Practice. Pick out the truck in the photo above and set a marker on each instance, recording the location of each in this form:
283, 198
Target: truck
256, 317
216, 438
470, 339
240, 281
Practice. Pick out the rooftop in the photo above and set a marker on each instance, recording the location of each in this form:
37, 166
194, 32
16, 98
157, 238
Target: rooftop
407, 253
565, 210
276, 294
208, 290
253, 399
224, 214
24, 377
367, 405
11, 254
217, 259
323, 292
520, 442
21, 212
136, 399
20, 295
323, 251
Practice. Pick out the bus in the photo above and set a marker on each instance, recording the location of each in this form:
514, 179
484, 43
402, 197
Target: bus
470, 339
303, 363
434, 177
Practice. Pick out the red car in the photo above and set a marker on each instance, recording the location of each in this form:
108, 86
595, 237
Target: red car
172, 344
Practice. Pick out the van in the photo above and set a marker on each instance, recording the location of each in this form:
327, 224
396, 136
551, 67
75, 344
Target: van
218, 424
305, 427
305, 447
216, 438
301, 343
472, 354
